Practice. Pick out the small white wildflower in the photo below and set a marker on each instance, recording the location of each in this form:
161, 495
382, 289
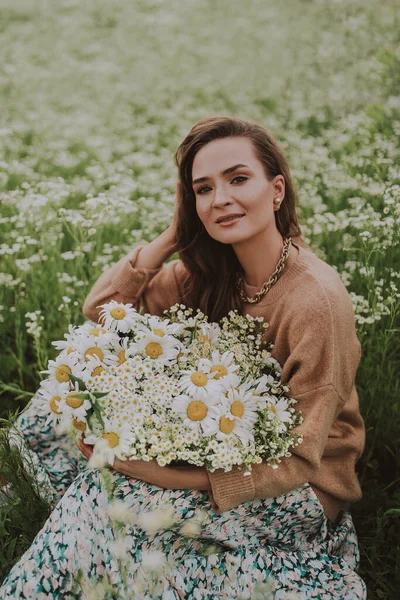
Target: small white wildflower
153, 561
120, 547
97, 461
156, 520
191, 528
96, 592
120, 511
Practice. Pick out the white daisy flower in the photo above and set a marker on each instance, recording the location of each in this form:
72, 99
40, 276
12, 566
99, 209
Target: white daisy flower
62, 367
96, 330
80, 426
243, 406
194, 411
279, 410
75, 405
47, 401
160, 327
232, 381
112, 442
93, 367
123, 349
264, 384
183, 355
222, 365
68, 344
223, 424
208, 332
200, 382
161, 349
119, 317
95, 347
247, 389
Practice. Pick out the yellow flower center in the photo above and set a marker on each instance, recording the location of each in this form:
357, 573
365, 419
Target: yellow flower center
78, 424
220, 371
118, 313
202, 338
111, 438
237, 409
180, 355
272, 408
121, 357
94, 352
197, 410
154, 349
62, 373
70, 350
159, 332
73, 401
53, 404
199, 378
96, 331
226, 425
97, 371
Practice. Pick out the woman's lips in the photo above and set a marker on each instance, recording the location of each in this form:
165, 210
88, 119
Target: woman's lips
230, 222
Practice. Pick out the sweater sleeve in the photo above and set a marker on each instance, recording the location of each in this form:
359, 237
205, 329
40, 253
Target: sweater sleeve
319, 407
319, 341
154, 289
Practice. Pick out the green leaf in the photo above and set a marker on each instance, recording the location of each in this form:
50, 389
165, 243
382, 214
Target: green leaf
80, 383
193, 334
97, 411
80, 396
392, 512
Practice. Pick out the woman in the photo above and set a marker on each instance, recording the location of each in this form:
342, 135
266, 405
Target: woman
236, 230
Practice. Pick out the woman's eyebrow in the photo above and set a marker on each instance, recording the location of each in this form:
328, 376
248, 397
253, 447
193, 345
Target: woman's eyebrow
228, 170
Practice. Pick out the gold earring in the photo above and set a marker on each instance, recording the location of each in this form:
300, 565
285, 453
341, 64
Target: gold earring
277, 203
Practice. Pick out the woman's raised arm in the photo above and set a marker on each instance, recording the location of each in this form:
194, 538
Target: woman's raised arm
142, 277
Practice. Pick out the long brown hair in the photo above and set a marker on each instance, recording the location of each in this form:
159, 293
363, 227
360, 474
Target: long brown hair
212, 266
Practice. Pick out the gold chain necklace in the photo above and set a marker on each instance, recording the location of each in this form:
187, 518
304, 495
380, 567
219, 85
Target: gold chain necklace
273, 279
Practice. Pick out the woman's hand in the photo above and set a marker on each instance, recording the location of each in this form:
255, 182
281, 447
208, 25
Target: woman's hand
86, 449
171, 478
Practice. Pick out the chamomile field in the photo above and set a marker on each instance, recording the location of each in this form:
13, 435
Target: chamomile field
96, 96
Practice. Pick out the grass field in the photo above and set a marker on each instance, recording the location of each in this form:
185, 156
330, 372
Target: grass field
96, 96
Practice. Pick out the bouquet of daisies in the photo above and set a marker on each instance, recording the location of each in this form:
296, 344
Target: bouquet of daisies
171, 388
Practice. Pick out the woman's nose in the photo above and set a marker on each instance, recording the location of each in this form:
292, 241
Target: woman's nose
220, 197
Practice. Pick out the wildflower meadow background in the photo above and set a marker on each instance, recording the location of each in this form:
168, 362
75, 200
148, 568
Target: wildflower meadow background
96, 96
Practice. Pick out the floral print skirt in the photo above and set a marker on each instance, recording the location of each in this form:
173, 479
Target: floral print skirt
286, 540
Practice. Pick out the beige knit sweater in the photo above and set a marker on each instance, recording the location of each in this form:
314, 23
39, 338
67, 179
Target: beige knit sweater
313, 330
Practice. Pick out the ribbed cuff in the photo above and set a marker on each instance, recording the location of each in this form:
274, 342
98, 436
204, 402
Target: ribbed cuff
229, 489
127, 279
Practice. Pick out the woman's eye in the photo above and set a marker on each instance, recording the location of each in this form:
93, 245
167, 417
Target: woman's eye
199, 191
239, 177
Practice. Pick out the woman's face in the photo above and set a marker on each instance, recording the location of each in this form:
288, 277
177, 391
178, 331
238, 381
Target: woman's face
245, 191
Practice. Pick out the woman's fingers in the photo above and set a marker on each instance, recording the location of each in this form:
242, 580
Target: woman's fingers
86, 450
120, 467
